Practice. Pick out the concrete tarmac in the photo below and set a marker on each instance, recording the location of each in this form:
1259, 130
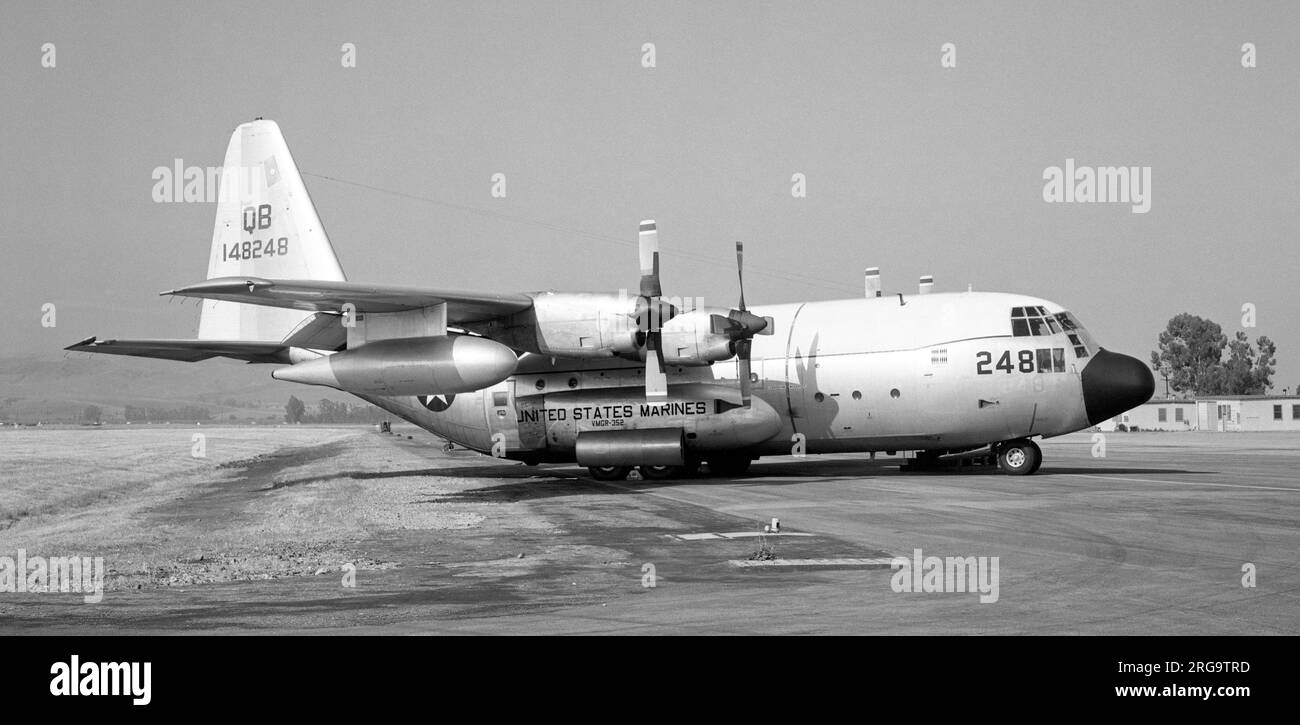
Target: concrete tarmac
1154, 537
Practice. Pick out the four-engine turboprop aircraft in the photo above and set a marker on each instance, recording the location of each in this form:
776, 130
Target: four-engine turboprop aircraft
613, 381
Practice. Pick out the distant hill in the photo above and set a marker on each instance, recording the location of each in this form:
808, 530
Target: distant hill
59, 388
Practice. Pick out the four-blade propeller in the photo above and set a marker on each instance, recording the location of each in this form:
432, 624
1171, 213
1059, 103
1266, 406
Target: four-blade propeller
651, 313
739, 325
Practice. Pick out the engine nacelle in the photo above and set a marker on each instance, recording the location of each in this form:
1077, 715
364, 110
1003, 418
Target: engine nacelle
409, 366
590, 325
689, 340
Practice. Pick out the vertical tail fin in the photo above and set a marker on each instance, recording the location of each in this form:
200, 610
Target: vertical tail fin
266, 227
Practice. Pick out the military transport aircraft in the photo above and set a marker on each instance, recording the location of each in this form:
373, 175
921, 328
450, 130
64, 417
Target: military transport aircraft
616, 381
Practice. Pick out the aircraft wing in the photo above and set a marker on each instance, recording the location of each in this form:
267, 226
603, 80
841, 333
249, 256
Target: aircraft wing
330, 296
188, 350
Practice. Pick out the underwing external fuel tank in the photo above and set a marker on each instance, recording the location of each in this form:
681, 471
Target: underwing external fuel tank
409, 366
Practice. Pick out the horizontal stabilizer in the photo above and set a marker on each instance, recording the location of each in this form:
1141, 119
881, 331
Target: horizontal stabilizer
188, 350
328, 296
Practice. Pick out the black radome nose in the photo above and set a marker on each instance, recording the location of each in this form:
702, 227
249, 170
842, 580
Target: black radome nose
1114, 383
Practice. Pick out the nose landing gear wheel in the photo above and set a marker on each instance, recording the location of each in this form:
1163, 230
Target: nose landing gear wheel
609, 473
1019, 457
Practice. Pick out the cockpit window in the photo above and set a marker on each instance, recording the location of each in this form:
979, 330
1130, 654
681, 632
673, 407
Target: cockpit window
1075, 332
1032, 322
1036, 321
1080, 349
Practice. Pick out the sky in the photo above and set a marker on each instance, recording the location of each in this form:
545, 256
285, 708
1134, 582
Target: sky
910, 166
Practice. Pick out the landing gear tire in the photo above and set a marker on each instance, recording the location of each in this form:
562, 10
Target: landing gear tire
1037, 463
609, 473
730, 466
1019, 457
660, 473
922, 461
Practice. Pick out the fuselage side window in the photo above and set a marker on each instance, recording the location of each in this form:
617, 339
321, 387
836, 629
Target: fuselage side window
1044, 359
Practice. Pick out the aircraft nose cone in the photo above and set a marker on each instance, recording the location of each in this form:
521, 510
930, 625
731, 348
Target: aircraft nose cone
1114, 383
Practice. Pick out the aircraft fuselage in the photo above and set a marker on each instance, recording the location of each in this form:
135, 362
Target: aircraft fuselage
928, 372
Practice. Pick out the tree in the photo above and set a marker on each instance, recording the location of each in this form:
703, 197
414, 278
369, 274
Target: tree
331, 412
293, 410
1191, 348
1191, 355
1263, 378
92, 414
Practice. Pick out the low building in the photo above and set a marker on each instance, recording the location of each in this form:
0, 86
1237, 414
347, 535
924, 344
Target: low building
1215, 413
1248, 412
1156, 414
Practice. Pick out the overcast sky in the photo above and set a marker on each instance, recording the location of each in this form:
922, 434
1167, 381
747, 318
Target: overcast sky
910, 166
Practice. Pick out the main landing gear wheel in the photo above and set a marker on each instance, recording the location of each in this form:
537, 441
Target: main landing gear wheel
1020, 457
609, 473
660, 473
729, 466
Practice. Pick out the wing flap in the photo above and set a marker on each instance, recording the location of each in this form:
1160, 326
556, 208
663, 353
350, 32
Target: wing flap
327, 296
321, 331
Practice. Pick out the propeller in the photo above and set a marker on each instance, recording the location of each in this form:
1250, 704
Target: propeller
651, 312
740, 325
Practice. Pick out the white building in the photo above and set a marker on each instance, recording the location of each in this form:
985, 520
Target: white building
1248, 412
1216, 413
1156, 414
